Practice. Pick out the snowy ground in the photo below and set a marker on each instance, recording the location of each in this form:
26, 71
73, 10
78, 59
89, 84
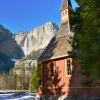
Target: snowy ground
17, 96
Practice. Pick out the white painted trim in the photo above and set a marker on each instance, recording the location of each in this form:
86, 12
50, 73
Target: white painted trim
69, 76
66, 67
58, 57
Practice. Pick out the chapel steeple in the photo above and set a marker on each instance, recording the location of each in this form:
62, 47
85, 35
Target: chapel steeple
60, 45
66, 18
66, 6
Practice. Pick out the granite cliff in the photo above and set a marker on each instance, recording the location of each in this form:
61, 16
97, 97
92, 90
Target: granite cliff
37, 38
24, 44
9, 49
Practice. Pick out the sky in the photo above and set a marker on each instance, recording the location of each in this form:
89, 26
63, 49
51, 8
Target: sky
24, 15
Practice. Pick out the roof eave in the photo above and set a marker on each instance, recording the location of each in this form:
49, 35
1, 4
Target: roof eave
58, 57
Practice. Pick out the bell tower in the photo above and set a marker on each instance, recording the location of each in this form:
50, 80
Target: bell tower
65, 10
66, 18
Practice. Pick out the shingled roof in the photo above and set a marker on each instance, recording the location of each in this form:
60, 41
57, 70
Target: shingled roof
59, 46
64, 29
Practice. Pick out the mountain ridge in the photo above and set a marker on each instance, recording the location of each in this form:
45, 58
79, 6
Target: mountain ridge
39, 37
13, 47
8, 49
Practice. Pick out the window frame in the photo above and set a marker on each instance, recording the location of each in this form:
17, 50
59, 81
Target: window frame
51, 70
68, 63
66, 11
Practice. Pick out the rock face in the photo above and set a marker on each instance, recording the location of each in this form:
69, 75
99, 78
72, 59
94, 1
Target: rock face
37, 38
8, 49
24, 43
8, 45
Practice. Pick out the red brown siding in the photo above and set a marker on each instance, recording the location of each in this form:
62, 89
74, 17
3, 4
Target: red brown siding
60, 83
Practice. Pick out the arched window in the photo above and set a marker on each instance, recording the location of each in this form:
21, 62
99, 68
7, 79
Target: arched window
51, 71
65, 11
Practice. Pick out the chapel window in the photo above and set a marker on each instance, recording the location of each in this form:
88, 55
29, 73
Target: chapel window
65, 11
51, 72
69, 67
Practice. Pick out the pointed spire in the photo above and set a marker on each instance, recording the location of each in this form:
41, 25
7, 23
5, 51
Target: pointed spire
65, 4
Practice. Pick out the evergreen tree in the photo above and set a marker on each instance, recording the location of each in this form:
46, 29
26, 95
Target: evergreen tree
87, 38
11, 78
35, 80
21, 76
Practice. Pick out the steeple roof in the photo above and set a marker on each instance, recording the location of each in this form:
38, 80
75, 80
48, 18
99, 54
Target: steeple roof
60, 45
65, 4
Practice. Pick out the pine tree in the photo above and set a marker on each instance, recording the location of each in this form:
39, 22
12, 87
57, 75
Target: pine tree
87, 38
35, 77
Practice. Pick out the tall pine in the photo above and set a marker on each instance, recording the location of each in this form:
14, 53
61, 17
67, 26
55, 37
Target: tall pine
87, 38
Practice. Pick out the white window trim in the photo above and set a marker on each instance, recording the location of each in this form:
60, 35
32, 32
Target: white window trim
66, 67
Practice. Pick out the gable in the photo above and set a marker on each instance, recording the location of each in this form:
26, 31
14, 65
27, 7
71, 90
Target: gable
58, 47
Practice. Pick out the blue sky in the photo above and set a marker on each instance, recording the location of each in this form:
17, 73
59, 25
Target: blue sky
23, 15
